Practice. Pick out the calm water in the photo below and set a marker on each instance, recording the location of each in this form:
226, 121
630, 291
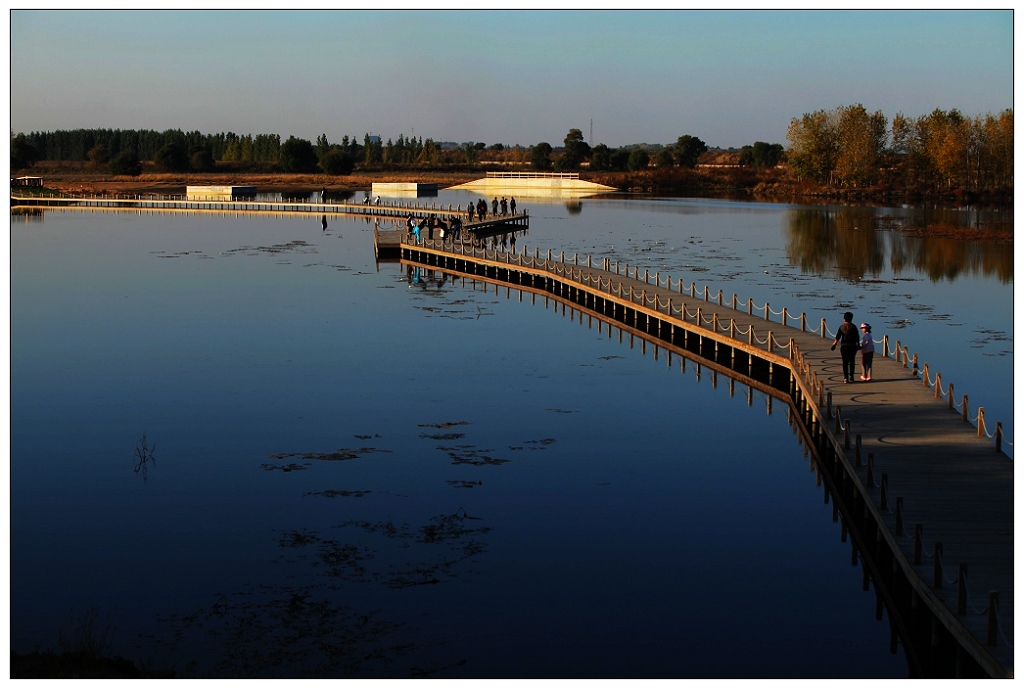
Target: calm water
350, 474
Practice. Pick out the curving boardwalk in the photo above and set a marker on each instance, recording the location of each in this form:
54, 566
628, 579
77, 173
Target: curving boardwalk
933, 491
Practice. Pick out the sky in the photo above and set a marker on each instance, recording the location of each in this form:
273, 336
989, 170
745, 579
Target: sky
728, 77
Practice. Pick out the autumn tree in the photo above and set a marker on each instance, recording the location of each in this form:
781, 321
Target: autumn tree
861, 140
814, 146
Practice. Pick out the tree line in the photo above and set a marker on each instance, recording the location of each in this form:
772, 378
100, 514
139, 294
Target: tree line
840, 149
175, 150
849, 147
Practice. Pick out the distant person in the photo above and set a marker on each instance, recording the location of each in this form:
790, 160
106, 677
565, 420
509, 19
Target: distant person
377, 202
481, 209
867, 352
504, 206
494, 206
512, 205
366, 199
470, 211
849, 341
323, 195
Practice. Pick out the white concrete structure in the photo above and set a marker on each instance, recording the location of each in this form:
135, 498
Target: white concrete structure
560, 184
219, 193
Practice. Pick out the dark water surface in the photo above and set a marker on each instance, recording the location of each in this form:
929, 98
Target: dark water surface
349, 474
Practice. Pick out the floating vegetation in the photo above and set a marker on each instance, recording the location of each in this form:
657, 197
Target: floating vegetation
554, 410
443, 436
442, 426
465, 483
295, 246
339, 455
287, 468
337, 493
287, 631
465, 454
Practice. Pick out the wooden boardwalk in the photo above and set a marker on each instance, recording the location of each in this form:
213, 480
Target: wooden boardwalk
939, 492
386, 210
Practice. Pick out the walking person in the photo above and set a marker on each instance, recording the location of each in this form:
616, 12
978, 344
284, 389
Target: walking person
867, 352
504, 206
512, 205
470, 210
494, 206
849, 341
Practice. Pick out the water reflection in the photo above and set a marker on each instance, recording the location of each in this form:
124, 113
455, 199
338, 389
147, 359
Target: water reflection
856, 242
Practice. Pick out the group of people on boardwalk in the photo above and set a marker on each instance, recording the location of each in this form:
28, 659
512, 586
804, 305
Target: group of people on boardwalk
432, 223
850, 342
480, 207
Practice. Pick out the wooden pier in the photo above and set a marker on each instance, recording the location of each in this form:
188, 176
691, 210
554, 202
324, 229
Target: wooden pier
925, 495
384, 211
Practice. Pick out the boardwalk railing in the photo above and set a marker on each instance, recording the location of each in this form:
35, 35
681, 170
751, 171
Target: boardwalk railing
770, 342
978, 624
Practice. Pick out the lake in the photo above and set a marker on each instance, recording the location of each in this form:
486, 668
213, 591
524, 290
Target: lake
241, 448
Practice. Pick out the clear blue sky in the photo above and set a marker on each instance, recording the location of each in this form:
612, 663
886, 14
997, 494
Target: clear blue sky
729, 77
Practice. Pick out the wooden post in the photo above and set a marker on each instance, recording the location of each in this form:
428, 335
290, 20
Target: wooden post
707, 294
915, 365
999, 436
693, 290
938, 385
924, 376
735, 303
824, 332
981, 421
803, 322
828, 406
937, 573
964, 409
871, 464
767, 311
719, 297
785, 316
949, 402
846, 434
899, 516
883, 497
769, 341
750, 306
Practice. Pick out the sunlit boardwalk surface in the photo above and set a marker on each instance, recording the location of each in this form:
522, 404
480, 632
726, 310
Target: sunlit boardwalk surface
938, 484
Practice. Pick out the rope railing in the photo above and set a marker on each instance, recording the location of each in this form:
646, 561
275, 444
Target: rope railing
899, 353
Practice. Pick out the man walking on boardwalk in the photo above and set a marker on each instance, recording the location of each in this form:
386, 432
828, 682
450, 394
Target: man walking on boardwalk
848, 340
